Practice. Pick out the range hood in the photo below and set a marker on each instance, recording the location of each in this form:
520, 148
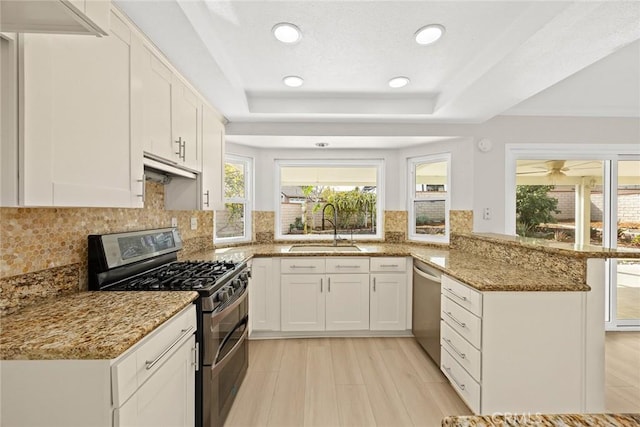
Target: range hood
163, 172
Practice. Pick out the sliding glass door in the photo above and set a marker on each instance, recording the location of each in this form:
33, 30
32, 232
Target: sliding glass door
623, 311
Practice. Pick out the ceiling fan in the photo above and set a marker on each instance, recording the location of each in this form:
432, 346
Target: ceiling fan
555, 169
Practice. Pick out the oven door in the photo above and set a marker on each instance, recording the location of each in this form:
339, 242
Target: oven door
223, 379
219, 326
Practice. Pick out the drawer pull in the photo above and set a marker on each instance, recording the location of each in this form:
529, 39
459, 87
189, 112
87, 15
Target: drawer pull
462, 324
183, 333
452, 292
321, 285
462, 355
293, 267
389, 266
347, 266
462, 386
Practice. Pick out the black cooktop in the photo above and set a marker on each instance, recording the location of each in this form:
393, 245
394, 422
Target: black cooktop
179, 276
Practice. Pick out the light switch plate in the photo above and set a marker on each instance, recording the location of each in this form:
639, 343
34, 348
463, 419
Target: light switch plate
194, 223
174, 222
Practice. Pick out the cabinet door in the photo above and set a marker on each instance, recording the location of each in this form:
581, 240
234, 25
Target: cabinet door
157, 86
212, 160
76, 145
264, 294
167, 398
185, 125
388, 302
347, 302
303, 302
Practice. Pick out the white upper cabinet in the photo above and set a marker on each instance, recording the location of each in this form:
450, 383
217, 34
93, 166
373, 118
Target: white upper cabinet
75, 108
185, 108
212, 160
157, 82
55, 16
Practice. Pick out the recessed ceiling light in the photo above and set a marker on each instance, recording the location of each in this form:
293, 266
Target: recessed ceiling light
286, 32
429, 34
398, 82
293, 81
322, 144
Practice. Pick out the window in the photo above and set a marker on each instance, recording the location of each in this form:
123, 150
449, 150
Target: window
233, 224
429, 198
309, 191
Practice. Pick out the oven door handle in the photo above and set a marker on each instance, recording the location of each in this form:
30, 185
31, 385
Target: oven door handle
219, 364
226, 310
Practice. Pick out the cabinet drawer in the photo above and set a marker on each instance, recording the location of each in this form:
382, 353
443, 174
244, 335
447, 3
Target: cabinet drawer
388, 264
302, 265
462, 321
463, 295
130, 372
347, 265
461, 381
465, 354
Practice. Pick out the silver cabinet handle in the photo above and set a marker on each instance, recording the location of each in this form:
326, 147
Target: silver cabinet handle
462, 386
207, 195
183, 148
321, 285
196, 357
347, 266
328, 284
462, 324
179, 142
462, 355
183, 333
374, 284
301, 266
144, 191
460, 297
389, 265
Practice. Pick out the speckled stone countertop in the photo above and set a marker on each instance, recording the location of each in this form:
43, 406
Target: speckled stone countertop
478, 272
539, 420
551, 246
87, 325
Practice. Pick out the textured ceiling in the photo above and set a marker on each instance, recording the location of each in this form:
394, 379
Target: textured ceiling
496, 57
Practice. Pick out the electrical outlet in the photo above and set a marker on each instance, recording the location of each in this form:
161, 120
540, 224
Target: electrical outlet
486, 214
194, 223
174, 222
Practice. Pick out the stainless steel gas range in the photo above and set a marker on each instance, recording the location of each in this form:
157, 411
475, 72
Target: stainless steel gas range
147, 261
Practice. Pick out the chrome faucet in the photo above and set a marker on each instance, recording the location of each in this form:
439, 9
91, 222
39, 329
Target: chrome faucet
334, 222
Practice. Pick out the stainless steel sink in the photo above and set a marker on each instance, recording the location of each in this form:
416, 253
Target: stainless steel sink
324, 248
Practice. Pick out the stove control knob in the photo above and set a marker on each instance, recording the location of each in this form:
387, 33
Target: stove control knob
236, 284
244, 276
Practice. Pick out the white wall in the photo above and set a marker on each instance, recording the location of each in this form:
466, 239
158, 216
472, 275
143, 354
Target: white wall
478, 179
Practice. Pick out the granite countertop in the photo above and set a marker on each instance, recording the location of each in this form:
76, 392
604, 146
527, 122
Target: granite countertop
478, 272
540, 420
551, 246
87, 325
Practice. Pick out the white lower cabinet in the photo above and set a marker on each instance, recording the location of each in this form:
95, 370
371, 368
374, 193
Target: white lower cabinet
388, 302
264, 294
313, 300
515, 352
151, 384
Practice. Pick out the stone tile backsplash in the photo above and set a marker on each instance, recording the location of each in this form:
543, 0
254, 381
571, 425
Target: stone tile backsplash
47, 247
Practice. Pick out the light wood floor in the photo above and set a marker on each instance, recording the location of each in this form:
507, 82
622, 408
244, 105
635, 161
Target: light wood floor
379, 382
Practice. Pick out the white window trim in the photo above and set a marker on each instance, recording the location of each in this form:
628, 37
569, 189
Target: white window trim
412, 162
247, 200
378, 163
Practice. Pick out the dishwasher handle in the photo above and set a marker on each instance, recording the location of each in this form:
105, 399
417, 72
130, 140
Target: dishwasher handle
426, 275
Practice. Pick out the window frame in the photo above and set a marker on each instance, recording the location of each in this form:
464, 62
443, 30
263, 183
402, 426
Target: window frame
377, 163
247, 200
412, 163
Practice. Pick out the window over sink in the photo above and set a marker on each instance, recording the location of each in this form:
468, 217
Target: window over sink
310, 190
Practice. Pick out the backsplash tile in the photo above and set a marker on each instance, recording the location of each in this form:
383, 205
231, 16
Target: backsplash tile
39, 239
263, 226
395, 226
460, 221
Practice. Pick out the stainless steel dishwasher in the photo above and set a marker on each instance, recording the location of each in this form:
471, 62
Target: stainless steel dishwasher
426, 308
